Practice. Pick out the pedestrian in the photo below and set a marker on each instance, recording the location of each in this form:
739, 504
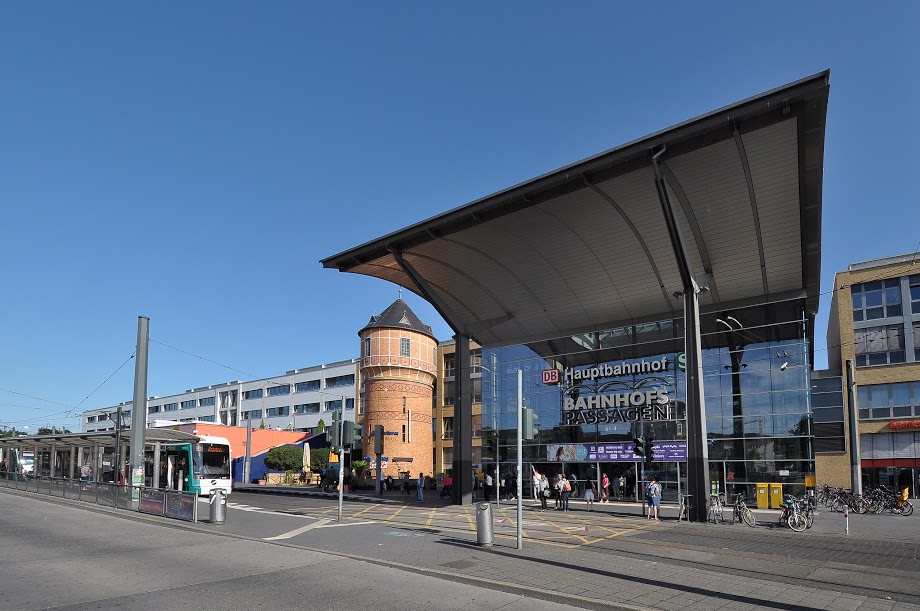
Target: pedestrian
590, 491
448, 483
420, 491
535, 483
86, 474
605, 489
622, 486
557, 491
573, 485
542, 487
487, 486
512, 487
566, 491
653, 493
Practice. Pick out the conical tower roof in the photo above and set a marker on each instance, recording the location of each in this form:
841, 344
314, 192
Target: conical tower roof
398, 316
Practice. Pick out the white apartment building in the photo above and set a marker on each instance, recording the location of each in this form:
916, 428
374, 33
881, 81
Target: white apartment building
296, 400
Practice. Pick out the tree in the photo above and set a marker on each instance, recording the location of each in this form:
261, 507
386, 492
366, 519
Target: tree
262, 426
359, 466
285, 458
320, 426
319, 458
44, 430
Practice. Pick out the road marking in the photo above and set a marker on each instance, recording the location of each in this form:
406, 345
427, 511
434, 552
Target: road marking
362, 511
298, 531
337, 524
398, 511
430, 518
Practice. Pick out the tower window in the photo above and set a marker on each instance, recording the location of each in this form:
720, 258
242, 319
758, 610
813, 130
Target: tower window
404, 347
367, 346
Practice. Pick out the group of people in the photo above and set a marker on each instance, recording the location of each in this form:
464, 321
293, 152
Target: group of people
562, 487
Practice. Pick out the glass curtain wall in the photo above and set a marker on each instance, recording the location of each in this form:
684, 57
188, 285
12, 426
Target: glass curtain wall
758, 413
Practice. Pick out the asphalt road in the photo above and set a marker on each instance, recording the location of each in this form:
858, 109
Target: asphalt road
67, 557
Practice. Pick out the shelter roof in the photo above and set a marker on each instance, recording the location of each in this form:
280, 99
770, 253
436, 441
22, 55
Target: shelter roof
106, 438
586, 246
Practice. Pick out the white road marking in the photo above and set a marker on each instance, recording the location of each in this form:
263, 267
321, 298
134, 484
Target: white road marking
298, 531
345, 524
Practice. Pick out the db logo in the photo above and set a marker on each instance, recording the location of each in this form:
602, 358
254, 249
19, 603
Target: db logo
550, 376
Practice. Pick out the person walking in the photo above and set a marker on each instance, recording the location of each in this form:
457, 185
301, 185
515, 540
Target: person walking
605, 489
487, 487
566, 491
653, 493
590, 492
420, 490
557, 491
622, 486
535, 484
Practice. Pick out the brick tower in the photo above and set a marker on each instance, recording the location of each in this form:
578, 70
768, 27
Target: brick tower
398, 370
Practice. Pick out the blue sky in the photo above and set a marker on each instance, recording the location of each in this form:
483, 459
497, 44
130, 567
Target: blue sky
192, 162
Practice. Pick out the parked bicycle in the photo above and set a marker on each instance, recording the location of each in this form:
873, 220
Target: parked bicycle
741, 512
796, 513
714, 513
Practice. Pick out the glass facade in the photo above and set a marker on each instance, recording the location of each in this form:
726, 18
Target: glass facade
619, 384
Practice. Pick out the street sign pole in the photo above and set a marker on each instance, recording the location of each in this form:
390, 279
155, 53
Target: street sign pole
341, 457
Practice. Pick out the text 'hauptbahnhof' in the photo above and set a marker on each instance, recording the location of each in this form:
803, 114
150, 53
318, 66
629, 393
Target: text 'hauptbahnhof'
666, 288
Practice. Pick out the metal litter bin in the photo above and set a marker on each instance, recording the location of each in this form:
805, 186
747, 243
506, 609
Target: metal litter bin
484, 524
218, 507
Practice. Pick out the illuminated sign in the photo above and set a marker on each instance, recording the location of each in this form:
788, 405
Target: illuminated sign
905, 424
623, 369
550, 376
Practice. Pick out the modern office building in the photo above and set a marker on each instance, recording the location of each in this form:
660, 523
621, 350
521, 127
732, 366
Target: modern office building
875, 323
294, 401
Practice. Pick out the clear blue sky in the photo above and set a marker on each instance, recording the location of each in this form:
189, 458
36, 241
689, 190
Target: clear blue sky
193, 161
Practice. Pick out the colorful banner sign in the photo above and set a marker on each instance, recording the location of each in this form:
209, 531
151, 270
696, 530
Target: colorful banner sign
664, 451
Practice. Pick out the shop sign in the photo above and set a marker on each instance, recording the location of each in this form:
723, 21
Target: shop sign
905, 424
665, 451
629, 406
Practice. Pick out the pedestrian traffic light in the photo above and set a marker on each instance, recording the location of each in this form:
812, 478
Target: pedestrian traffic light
357, 434
639, 450
528, 426
649, 450
335, 436
378, 439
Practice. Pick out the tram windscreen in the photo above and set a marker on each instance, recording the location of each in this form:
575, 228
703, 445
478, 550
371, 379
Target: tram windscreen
211, 460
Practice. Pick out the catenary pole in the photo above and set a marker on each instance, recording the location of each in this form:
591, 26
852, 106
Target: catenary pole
520, 444
139, 408
341, 457
853, 412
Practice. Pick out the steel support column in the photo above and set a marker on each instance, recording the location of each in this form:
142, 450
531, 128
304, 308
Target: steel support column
463, 425
697, 450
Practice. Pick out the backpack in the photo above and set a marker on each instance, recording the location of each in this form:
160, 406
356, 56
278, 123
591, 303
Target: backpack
566, 486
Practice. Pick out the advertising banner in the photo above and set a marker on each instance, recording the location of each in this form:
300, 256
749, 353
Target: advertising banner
664, 451
182, 506
152, 501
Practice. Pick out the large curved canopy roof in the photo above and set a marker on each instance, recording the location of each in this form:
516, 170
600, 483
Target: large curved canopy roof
587, 247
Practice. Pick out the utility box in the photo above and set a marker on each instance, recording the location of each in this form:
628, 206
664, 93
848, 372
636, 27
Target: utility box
763, 496
776, 495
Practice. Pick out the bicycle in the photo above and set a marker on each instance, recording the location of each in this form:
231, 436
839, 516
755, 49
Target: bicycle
793, 515
714, 513
741, 512
683, 512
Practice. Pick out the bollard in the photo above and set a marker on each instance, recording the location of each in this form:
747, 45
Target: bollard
484, 524
218, 506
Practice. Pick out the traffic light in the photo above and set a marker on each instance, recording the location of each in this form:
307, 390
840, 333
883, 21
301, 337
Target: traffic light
335, 434
639, 450
378, 439
348, 433
357, 435
649, 450
528, 428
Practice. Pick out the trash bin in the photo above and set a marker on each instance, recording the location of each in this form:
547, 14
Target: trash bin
776, 495
484, 524
763, 497
217, 507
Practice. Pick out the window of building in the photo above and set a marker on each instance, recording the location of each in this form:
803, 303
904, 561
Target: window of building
338, 381
879, 299
170, 407
153, 409
883, 401
126, 414
916, 327
450, 393
306, 386
448, 427
90, 418
450, 365
367, 346
228, 399
252, 394
307, 408
284, 410
827, 415
337, 405
476, 384
206, 401
477, 426
914, 282
189, 404
476, 360
404, 347
277, 391
256, 413
207, 418
879, 345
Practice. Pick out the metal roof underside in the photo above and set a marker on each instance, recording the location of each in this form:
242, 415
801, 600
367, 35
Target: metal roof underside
106, 438
586, 247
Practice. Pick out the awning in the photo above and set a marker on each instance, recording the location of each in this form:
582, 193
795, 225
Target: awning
586, 247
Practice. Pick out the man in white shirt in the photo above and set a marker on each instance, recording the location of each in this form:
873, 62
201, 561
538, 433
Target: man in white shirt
487, 488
